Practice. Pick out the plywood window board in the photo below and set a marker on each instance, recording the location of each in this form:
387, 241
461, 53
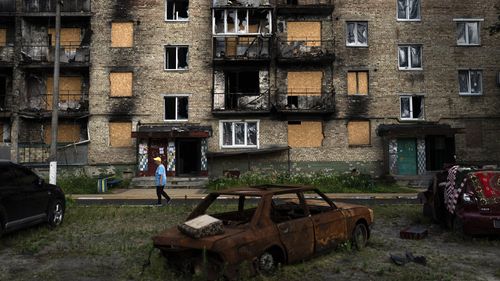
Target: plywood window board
3, 37
70, 89
358, 132
121, 84
120, 134
309, 31
70, 37
66, 133
304, 83
305, 134
357, 83
122, 34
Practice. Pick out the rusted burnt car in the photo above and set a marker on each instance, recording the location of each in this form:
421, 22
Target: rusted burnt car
270, 225
466, 199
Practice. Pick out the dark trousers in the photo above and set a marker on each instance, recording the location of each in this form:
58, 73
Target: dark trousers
160, 192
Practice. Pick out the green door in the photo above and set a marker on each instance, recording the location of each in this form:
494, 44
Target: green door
407, 156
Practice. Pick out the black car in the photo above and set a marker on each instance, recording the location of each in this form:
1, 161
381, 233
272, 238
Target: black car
26, 199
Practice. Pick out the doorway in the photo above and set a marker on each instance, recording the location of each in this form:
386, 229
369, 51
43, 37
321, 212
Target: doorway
439, 150
407, 157
157, 148
188, 157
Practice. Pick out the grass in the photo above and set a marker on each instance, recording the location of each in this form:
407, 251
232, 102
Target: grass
83, 184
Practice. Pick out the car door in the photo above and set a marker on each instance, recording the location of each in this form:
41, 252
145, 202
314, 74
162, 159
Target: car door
330, 228
34, 195
10, 195
295, 228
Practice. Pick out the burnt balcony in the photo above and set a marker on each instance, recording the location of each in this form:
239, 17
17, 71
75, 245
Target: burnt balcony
71, 7
7, 7
305, 102
314, 51
241, 48
247, 103
6, 54
318, 7
70, 103
241, 3
70, 53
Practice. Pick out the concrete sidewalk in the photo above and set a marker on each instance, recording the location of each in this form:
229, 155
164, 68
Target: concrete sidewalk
184, 193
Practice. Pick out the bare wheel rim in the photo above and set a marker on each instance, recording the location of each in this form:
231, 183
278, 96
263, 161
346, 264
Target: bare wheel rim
360, 236
58, 214
266, 262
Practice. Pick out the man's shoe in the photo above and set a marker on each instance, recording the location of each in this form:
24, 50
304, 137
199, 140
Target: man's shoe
169, 201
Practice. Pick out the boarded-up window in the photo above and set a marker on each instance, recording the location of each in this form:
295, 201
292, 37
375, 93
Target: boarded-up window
3, 37
358, 132
474, 134
70, 90
120, 134
122, 34
120, 84
305, 134
309, 31
304, 83
66, 133
70, 37
357, 83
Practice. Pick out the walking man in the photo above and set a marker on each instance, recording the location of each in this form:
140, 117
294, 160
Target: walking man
161, 181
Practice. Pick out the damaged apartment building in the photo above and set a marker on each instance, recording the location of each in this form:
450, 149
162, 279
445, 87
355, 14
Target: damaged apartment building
213, 87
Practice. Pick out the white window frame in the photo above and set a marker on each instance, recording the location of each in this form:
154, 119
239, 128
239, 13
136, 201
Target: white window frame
177, 19
176, 107
410, 97
470, 93
233, 122
468, 21
176, 57
408, 12
356, 42
408, 53
226, 11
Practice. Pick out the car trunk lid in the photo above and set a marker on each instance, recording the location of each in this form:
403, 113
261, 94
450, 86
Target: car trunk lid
173, 239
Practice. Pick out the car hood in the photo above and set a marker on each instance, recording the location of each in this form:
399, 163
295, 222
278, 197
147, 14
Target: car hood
172, 238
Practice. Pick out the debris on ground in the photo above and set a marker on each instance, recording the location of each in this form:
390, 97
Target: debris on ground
415, 232
409, 257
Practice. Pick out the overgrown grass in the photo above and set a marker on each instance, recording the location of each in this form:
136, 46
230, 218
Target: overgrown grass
83, 184
326, 182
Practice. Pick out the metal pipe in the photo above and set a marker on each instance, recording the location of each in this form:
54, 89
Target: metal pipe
55, 92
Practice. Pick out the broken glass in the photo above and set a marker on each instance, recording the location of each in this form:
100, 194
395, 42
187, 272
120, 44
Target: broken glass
182, 58
170, 58
219, 21
232, 19
169, 108
182, 108
418, 107
242, 21
227, 131
252, 133
239, 133
463, 81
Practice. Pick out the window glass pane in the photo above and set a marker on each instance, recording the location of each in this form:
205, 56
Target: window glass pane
402, 9
416, 56
227, 132
472, 31
463, 80
252, 133
182, 108
417, 105
461, 33
362, 32
403, 57
405, 107
239, 133
350, 33
414, 9
25, 177
169, 108
182, 58
475, 82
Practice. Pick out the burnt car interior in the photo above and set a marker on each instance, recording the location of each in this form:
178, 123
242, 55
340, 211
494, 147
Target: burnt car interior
237, 217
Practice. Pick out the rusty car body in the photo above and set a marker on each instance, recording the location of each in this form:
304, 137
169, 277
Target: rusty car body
271, 225
466, 199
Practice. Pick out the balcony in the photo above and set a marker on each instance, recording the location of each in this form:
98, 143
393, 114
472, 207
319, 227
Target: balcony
6, 54
241, 3
314, 51
234, 104
7, 7
70, 7
71, 53
318, 7
304, 102
241, 48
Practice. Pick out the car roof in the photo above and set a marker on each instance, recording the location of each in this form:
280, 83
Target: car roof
265, 189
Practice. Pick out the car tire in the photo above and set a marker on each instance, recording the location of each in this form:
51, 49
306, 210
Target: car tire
359, 236
267, 262
55, 214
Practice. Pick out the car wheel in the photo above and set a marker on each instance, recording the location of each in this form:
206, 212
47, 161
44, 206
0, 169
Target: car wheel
56, 213
359, 236
267, 263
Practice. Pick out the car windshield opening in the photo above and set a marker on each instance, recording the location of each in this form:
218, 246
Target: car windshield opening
234, 211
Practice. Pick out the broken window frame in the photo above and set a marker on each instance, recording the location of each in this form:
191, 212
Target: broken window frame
411, 100
407, 10
176, 47
247, 133
175, 16
466, 76
355, 33
176, 106
247, 20
462, 26
409, 56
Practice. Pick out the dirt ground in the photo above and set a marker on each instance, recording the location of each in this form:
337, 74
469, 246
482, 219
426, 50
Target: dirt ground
113, 243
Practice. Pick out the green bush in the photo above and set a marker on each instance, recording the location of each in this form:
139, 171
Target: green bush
83, 184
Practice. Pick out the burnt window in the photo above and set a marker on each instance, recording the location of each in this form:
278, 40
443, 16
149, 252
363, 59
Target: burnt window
176, 10
243, 82
239, 133
176, 57
176, 108
412, 107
